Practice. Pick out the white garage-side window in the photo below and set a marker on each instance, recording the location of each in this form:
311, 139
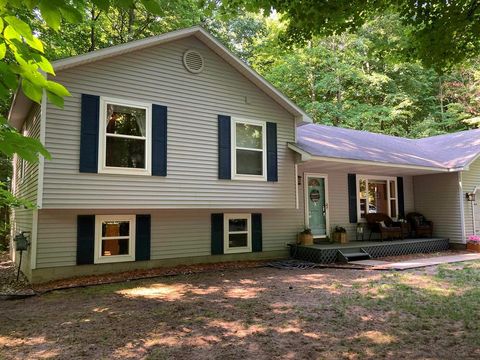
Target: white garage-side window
114, 238
237, 233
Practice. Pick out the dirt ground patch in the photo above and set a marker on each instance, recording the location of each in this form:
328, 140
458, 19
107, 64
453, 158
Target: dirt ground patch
257, 313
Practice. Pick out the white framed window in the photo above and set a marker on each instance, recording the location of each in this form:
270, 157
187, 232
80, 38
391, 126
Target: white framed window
114, 238
249, 144
237, 233
376, 194
125, 137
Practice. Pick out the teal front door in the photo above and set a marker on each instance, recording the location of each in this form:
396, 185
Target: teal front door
317, 205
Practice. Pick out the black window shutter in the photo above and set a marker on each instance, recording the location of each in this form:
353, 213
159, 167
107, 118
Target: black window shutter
224, 147
142, 237
272, 164
85, 239
352, 198
159, 140
89, 133
401, 198
256, 232
217, 234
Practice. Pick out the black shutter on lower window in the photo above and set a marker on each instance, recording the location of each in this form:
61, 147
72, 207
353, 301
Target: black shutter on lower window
257, 245
224, 147
142, 237
159, 140
352, 198
217, 234
90, 114
272, 162
85, 239
401, 198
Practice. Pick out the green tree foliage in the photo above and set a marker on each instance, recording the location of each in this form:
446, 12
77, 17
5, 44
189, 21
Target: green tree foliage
357, 80
440, 33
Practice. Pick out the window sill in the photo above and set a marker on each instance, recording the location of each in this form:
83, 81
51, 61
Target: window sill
118, 171
114, 259
249, 178
238, 250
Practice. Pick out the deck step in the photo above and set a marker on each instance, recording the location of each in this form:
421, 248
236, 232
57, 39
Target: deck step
347, 255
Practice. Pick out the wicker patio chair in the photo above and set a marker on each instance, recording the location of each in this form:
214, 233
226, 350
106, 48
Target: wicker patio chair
385, 226
420, 225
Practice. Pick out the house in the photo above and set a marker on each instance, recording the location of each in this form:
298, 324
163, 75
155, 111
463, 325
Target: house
173, 151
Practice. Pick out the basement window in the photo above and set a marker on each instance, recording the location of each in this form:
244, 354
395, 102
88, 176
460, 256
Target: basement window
114, 238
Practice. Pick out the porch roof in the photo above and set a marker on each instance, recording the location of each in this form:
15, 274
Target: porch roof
443, 153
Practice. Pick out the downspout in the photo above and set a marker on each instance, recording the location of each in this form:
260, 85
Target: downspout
462, 209
473, 212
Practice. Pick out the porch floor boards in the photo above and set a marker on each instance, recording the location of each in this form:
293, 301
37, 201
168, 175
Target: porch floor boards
329, 253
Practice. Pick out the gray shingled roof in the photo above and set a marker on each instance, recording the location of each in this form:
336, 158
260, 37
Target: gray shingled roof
451, 151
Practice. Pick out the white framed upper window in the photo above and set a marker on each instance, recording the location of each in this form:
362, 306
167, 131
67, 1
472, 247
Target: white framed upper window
125, 137
237, 233
249, 149
114, 238
376, 194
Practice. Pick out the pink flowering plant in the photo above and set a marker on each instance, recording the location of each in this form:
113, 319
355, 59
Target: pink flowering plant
474, 239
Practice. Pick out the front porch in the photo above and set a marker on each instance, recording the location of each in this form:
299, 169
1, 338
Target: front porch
325, 253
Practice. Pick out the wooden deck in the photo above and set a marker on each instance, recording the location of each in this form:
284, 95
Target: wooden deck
325, 253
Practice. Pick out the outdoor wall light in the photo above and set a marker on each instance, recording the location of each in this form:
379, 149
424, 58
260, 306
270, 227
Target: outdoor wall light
470, 196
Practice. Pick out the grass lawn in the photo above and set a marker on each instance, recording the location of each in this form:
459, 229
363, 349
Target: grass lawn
256, 314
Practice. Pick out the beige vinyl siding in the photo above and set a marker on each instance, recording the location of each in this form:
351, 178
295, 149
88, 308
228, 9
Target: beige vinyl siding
26, 187
437, 197
470, 180
156, 75
175, 233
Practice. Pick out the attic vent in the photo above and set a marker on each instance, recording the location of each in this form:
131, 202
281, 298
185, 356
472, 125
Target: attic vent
193, 61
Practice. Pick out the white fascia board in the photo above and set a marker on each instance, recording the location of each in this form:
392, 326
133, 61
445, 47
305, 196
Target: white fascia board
309, 157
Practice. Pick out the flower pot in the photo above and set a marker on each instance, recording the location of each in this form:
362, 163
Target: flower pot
473, 246
340, 237
305, 239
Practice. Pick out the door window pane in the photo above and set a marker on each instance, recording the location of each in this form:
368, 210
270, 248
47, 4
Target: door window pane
393, 208
124, 152
249, 162
249, 136
393, 190
363, 188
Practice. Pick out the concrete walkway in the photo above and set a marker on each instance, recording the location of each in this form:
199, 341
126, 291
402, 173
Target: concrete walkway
416, 263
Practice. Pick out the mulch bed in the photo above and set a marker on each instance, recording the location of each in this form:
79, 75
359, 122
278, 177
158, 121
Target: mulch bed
11, 289
9, 286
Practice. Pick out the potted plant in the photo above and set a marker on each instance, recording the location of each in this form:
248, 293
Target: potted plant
473, 243
305, 237
339, 235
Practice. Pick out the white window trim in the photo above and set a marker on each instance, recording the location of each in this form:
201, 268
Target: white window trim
102, 168
226, 233
236, 176
376, 177
98, 258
